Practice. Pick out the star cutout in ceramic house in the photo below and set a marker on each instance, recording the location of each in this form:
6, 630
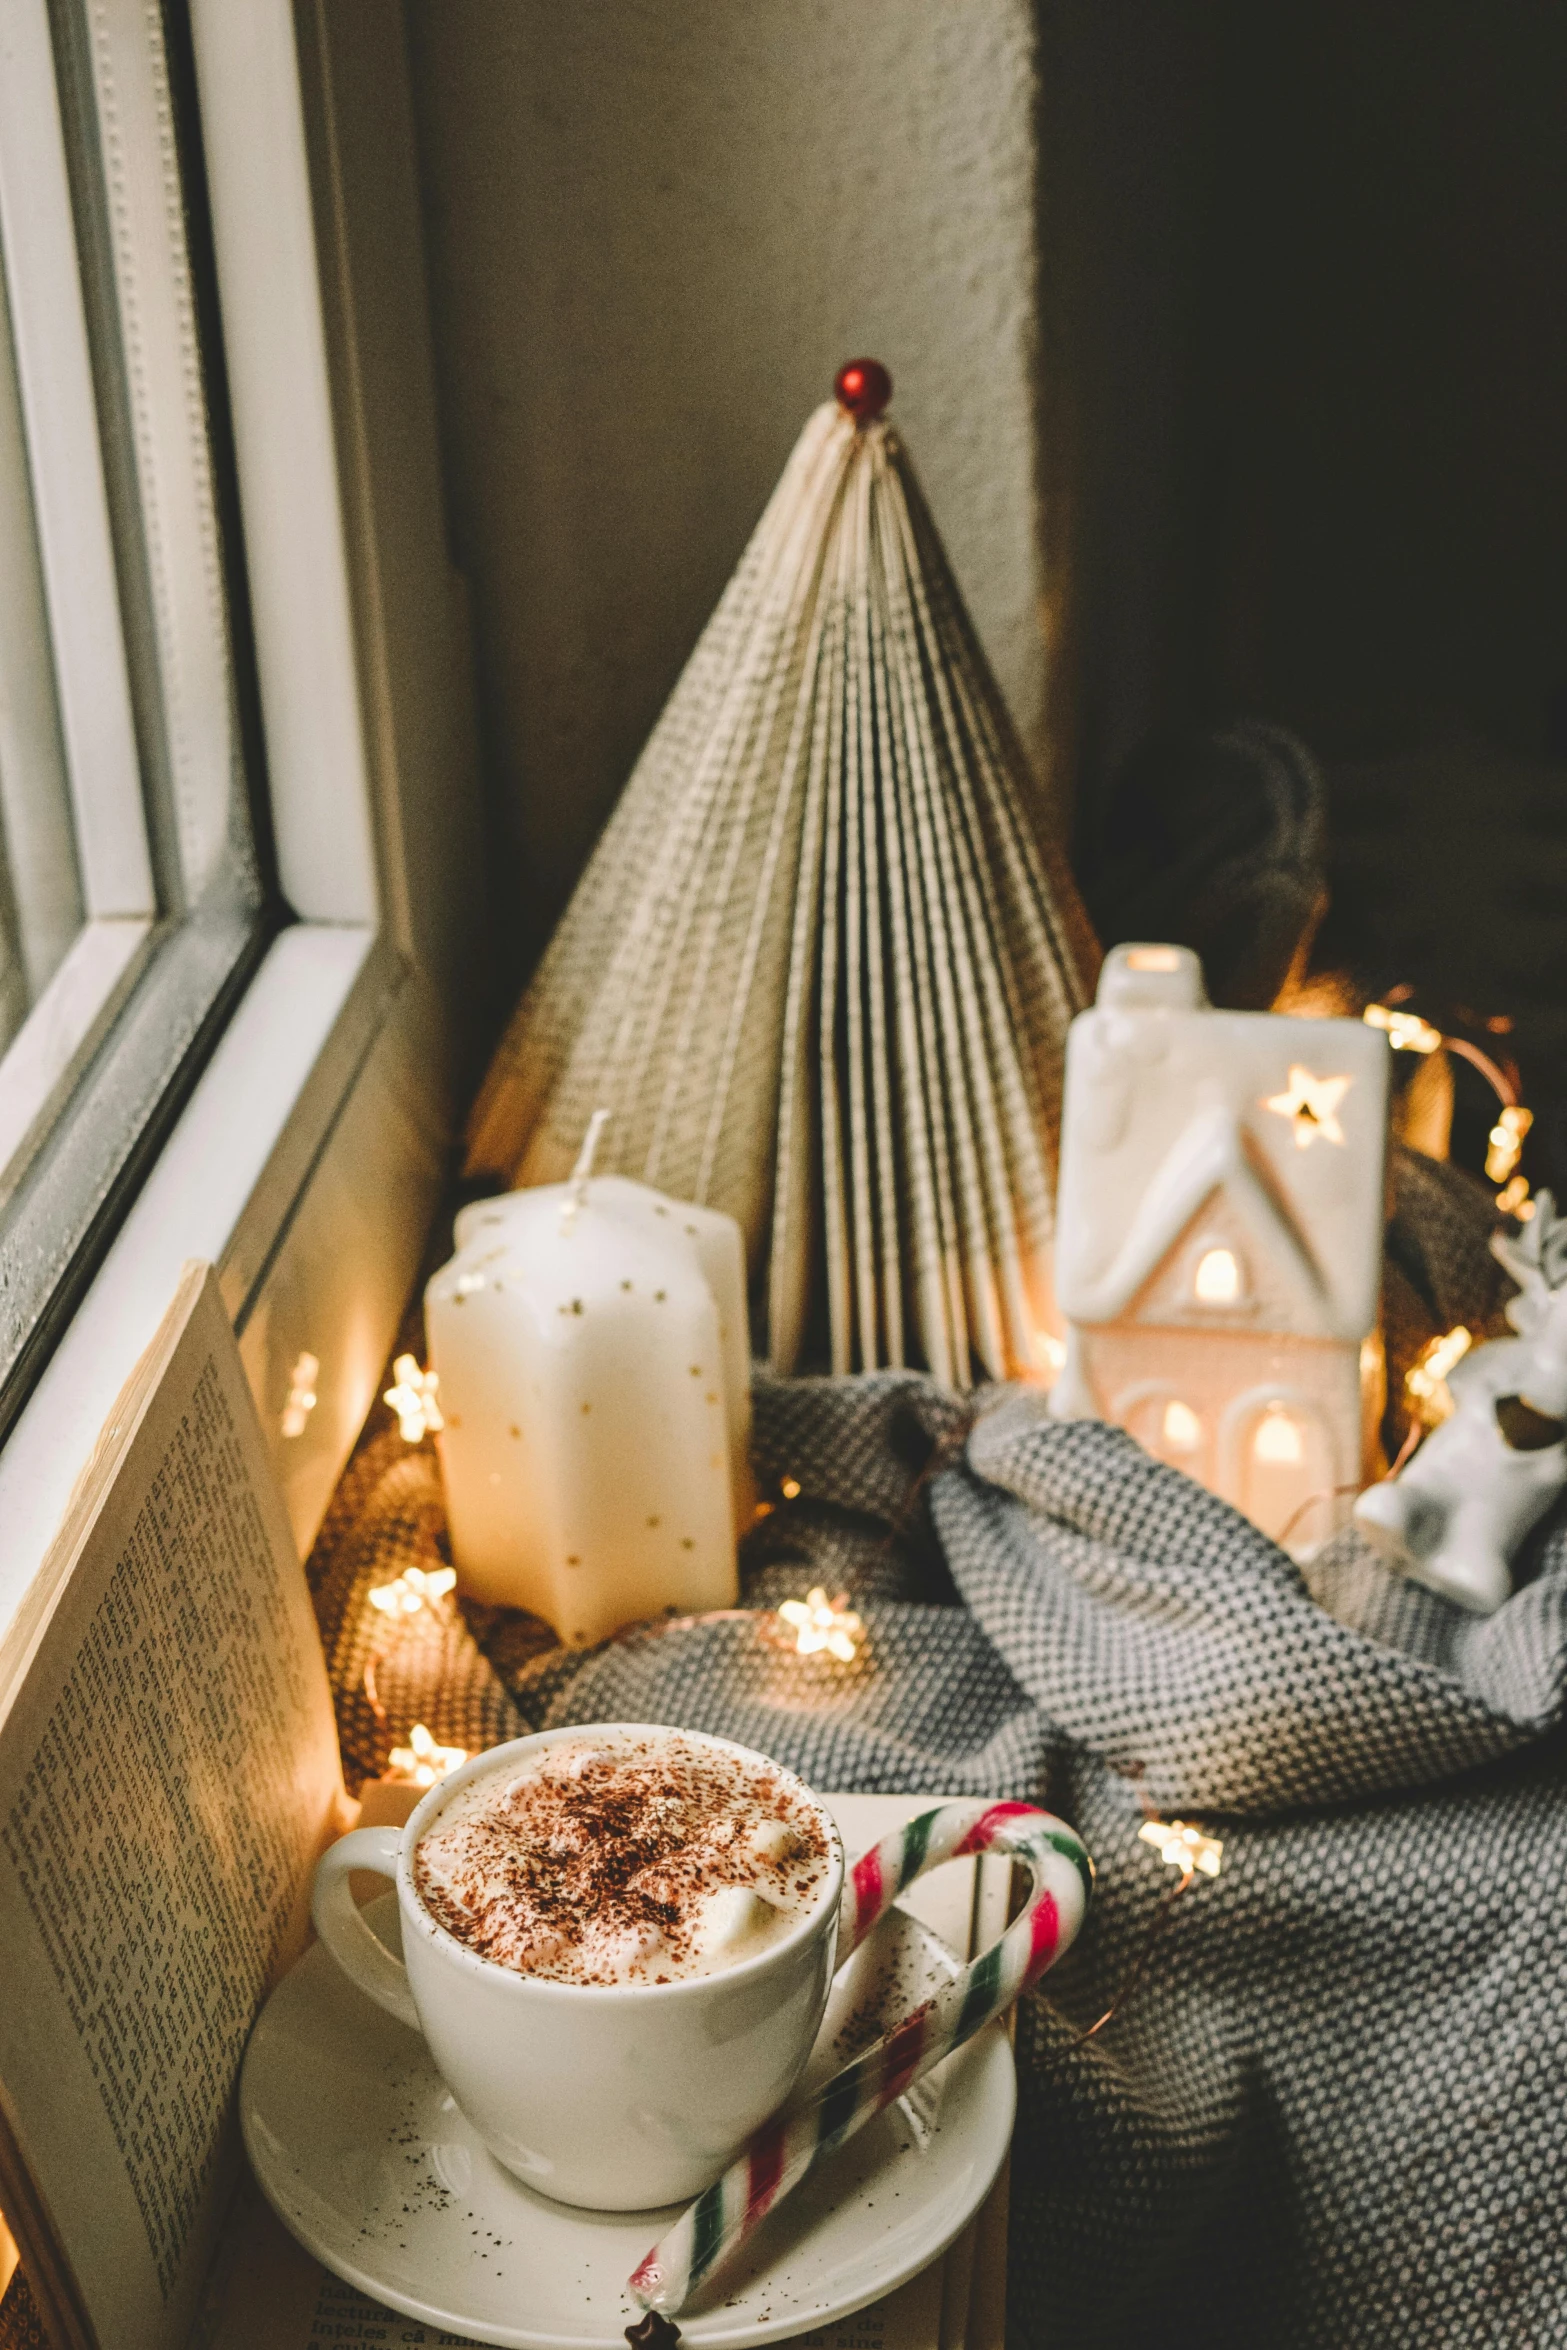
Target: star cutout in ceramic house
1311, 1105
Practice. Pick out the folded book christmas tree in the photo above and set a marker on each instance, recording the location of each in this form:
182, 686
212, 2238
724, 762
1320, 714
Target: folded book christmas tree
820, 968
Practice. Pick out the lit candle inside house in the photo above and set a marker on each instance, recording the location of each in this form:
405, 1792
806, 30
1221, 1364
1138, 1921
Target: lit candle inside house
591, 1344
1219, 1237
1181, 1430
1218, 1278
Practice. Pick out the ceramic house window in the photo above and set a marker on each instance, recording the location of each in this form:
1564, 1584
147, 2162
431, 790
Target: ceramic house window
1284, 1468
1167, 1424
1218, 1280
1180, 1427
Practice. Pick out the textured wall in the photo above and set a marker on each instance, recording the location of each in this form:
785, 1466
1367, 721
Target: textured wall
655, 231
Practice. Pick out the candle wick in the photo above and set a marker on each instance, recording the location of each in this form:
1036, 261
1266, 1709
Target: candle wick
584, 1166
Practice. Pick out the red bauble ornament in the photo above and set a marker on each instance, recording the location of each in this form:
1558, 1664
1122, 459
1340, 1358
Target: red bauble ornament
863, 387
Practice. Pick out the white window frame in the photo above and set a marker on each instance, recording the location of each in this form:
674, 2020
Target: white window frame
68, 698
309, 1158
55, 381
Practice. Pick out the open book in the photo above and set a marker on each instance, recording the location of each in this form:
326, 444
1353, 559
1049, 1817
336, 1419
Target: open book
169, 1773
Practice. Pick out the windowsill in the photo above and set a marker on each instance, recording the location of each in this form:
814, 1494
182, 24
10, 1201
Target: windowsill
317, 989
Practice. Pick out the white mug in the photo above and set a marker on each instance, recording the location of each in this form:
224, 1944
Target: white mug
618, 2096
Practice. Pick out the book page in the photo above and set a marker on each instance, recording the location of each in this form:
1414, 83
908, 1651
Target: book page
168, 1772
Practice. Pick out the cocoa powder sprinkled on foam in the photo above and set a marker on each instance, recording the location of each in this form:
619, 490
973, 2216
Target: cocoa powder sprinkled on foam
623, 1860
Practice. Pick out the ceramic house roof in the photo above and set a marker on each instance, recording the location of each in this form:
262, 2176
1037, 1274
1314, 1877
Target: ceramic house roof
1169, 1102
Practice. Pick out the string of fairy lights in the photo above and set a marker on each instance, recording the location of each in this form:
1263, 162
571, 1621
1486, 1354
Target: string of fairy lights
815, 1626
1406, 1032
1428, 1397
829, 1630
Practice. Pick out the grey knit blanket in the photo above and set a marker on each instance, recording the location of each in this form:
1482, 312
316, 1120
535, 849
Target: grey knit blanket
1332, 2107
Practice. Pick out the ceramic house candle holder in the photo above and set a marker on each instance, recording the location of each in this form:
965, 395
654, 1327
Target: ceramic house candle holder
1219, 1241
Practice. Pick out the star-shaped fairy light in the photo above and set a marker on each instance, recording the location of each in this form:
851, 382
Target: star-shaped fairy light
1506, 1140
1406, 1032
1513, 1199
413, 1400
1183, 1847
301, 1401
821, 1623
1426, 1378
1311, 1105
415, 1588
421, 1762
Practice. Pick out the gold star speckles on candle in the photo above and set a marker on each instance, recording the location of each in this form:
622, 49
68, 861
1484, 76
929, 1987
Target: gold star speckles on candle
413, 1400
820, 1623
1311, 1105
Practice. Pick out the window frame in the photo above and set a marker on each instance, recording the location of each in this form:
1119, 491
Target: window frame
310, 1155
142, 685
55, 382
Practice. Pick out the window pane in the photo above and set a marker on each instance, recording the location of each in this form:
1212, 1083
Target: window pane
41, 908
131, 906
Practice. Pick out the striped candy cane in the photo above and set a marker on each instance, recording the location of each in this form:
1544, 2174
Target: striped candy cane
784, 2149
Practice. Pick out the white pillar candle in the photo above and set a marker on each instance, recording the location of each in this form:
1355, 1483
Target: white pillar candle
590, 1340
719, 1246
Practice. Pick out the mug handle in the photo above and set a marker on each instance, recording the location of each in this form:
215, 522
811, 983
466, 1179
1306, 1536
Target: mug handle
342, 1926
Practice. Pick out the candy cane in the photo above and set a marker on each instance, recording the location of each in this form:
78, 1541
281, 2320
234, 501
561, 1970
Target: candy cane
790, 2145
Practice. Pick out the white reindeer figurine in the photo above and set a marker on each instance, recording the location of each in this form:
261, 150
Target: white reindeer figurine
1457, 1515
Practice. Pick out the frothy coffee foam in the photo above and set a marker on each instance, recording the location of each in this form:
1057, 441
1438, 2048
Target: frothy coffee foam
623, 1860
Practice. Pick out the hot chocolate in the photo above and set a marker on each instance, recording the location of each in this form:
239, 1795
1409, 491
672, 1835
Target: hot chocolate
625, 1857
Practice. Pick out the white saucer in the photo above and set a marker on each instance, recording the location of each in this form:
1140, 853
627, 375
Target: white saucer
365, 2158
